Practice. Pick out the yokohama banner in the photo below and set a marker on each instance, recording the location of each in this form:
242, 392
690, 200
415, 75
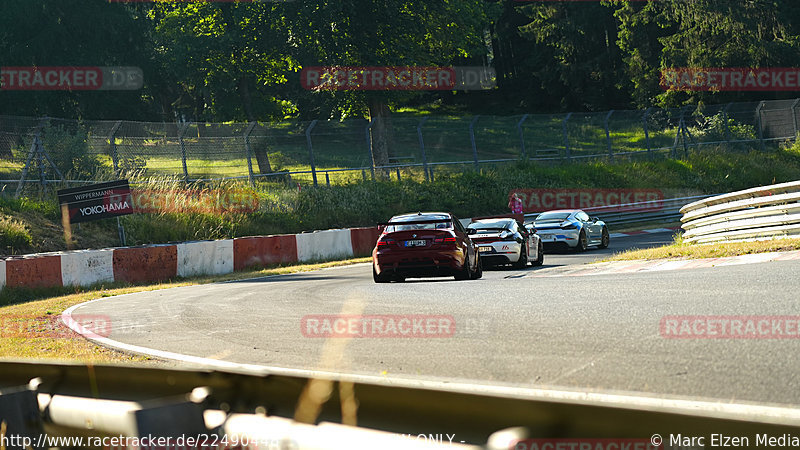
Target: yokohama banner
603, 200
97, 201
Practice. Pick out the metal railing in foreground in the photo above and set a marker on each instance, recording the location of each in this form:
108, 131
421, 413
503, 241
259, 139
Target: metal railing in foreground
262, 409
765, 212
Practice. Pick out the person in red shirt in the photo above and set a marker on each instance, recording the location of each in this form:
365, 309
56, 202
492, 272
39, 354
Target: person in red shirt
515, 204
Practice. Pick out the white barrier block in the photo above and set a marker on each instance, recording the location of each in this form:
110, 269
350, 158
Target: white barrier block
2, 274
205, 258
325, 245
86, 267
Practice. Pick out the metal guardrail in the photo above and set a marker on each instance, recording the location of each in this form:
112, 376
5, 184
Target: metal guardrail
264, 410
655, 211
758, 213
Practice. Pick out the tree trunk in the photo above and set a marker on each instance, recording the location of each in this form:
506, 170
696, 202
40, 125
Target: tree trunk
381, 132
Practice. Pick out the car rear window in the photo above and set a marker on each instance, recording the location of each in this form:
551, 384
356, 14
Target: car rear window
552, 216
445, 224
490, 225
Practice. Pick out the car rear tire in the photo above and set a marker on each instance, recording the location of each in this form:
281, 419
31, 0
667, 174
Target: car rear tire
523, 258
379, 278
583, 242
465, 273
478, 270
605, 239
539, 255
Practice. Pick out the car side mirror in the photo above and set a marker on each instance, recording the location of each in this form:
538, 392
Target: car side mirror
381, 228
595, 219
472, 231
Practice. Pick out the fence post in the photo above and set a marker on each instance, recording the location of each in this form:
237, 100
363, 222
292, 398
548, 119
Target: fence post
112, 145
181, 132
472, 140
422, 149
311, 150
678, 135
249, 152
794, 116
367, 132
566, 137
522, 136
647, 132
760, 127
727, 126
608, 135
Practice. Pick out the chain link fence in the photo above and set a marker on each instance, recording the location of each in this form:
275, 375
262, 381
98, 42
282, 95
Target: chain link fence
44, 150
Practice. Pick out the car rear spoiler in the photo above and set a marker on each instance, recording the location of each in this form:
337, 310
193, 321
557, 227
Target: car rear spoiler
518, 217
414, 222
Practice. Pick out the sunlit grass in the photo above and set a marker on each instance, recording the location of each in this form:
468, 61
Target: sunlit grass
682, 250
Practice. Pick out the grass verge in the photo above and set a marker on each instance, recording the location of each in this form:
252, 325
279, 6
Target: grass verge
30, 321
682, 250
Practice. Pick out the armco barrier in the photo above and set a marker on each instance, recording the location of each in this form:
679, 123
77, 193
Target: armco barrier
205, 258
363, 240
145, 264
85, 267
324, 245
261, 251
758, 213
42, 270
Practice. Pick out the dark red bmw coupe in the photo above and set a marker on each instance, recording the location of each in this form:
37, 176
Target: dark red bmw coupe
421, 245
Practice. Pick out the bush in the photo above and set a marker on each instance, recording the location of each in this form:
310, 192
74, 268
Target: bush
14, 237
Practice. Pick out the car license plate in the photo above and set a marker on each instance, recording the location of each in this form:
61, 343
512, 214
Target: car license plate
485, 249
547, 237
416, 243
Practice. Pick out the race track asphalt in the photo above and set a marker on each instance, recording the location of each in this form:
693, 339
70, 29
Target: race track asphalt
589, 333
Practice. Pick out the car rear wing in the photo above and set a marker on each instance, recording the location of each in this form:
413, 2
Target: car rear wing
415, 222
382, 226
520, 218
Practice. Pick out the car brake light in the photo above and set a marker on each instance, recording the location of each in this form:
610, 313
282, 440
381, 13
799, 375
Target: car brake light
385, 242
445, 240
450, 239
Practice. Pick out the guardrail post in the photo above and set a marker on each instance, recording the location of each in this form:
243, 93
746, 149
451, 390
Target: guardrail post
522, 136
608, 136
181, 132
249, 152
112, 146
367, 132
727, 126
567, 151
760, 127
422, 149
311, 150
472, 140
794, 116
647, 132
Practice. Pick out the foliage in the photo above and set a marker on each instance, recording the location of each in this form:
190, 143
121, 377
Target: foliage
14, 236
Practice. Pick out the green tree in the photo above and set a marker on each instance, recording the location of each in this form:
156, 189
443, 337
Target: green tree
705, 33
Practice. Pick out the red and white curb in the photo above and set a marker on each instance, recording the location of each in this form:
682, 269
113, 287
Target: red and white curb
644, 266
641, 232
